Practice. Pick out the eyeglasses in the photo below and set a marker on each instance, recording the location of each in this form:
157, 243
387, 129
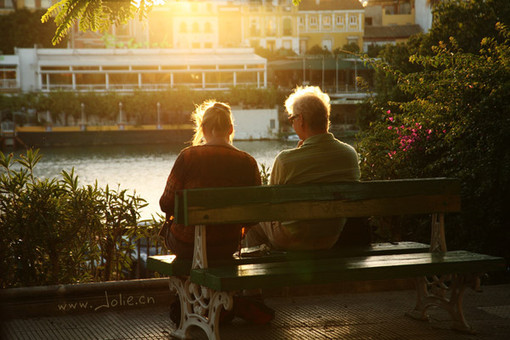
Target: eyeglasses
291, 118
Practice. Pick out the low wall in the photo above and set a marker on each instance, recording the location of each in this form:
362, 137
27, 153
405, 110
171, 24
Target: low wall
83, 298
94, 136
257, 124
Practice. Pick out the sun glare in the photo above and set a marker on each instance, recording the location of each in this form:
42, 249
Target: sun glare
154, 2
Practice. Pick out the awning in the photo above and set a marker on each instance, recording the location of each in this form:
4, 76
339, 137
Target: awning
147, 57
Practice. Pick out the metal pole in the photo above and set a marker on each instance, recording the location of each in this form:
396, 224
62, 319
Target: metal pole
158, 105
323, 72
336, 72
120, 113
355, 75
304, 70
82, 122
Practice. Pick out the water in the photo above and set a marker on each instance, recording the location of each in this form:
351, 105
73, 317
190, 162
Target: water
139, 168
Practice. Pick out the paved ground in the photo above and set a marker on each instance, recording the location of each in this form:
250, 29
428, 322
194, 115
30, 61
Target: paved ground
378, 315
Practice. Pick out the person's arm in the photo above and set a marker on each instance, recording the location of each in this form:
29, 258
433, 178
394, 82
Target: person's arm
174, 183
257, 180
276, 172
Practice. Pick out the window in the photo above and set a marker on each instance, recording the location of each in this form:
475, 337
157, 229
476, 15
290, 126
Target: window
390, 9
207, 27
404, 8
339, 20
183, 28
313, 21
271, 28
301, 21
326, 20
195, 45
327, 44
287, 26
194, 27
353, 20
254, 28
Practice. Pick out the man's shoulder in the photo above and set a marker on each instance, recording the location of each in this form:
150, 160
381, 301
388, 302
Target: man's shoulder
284, 154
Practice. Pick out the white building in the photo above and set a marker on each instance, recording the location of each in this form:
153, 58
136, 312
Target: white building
32, 69
256, 124
423, 14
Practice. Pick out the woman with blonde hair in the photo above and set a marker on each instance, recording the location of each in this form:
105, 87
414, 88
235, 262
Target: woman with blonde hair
211, 161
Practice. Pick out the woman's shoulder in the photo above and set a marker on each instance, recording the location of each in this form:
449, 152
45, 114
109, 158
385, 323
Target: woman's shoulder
224, 150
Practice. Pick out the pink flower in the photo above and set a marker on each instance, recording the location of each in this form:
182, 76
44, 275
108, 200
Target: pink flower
429, 131
388, 112
389, 127
391, 119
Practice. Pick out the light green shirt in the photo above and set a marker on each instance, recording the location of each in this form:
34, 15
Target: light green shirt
321, 159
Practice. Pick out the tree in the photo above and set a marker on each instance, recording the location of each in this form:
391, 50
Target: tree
24, 29
351, 47
468, 21
94, 15
317, 50
447, 115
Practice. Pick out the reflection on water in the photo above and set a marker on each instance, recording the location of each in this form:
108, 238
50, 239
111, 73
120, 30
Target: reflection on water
140, 168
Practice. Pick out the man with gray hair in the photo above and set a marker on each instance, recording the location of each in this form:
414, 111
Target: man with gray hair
318, 158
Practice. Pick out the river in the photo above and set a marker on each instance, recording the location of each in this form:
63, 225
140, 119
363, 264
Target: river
138, 168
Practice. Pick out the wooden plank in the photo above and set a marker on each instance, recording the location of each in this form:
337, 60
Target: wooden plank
170, 265
322, 191
314, 271
311, 209
201, 201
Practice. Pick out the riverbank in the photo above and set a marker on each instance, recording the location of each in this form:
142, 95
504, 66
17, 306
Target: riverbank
39, 136
250, 124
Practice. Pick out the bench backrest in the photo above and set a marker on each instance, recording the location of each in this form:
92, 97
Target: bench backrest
317, 201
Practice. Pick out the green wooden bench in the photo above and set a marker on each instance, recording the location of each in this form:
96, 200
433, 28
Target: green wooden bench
205, 287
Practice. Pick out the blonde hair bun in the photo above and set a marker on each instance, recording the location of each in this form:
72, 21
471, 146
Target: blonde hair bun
213, 116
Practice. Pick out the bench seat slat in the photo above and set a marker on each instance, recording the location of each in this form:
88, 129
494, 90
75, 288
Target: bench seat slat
170, 265
318, 271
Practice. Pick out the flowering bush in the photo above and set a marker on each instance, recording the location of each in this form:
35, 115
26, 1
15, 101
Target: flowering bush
454, 122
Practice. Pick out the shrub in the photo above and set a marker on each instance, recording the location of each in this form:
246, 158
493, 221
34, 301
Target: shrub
452, 120
54, 231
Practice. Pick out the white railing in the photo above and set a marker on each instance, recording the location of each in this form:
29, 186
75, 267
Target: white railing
8, 84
